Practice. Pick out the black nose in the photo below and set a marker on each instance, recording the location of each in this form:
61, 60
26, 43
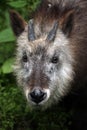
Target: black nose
37, 95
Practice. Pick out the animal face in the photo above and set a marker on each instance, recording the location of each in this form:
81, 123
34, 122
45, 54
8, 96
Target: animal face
44, 69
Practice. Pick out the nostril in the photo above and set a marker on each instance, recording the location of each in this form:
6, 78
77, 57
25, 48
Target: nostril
37, 95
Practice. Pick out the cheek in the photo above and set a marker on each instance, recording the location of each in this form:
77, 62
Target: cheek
27, 68
49, 68
51, 71
26, 71
26, 91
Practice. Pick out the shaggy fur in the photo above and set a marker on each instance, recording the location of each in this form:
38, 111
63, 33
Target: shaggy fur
58, 67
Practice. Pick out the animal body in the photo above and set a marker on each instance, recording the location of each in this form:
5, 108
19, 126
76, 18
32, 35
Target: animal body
51, 59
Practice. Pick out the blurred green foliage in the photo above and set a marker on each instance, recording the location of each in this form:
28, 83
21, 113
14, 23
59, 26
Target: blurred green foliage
14, 112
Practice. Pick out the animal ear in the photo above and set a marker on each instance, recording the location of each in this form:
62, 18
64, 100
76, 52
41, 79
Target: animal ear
66, 22
17, 22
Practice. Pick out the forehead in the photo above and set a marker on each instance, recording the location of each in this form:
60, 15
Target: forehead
36, 45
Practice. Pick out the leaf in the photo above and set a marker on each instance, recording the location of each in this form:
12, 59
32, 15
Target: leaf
7, 36
17, 4
7, 18
7, 66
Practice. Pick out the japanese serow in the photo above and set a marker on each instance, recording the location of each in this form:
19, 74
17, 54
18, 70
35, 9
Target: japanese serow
51, 59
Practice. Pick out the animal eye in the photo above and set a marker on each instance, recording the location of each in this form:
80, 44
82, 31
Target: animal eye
24, 58
54, 60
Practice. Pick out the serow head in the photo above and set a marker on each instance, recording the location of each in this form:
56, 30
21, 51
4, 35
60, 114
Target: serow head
44, 60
